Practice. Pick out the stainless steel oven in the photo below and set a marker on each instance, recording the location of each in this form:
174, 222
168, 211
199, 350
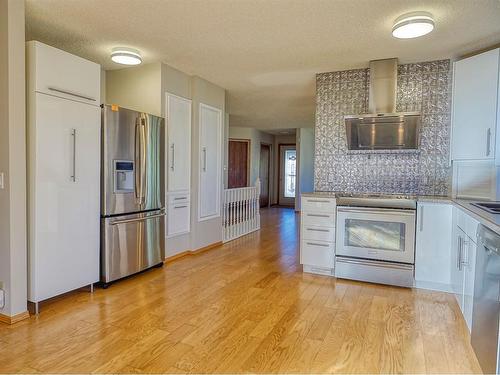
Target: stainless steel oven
376, 240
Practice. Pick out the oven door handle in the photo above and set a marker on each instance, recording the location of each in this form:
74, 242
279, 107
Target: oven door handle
388, 211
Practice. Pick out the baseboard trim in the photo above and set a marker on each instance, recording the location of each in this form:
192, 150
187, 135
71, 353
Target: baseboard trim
186, 253
173, 258
205, 248
14, 319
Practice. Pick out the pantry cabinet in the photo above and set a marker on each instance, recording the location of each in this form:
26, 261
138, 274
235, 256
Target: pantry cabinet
64, 174
178, 119
178, 164
475, 107
210, 162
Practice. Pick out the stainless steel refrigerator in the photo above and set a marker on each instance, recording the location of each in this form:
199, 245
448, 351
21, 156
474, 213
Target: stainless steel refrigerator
132, 192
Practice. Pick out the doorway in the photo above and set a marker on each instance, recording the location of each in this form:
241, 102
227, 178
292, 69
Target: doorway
264, 170
238, 163
287, 175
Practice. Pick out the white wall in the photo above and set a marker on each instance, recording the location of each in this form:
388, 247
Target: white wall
256, 137
137, 88
13, 249
305, 156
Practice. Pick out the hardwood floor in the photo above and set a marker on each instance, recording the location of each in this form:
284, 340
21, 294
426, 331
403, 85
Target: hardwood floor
243, 307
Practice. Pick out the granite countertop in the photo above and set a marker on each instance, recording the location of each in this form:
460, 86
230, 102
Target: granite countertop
491, 221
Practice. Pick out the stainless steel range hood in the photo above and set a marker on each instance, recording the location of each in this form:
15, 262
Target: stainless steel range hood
383, 128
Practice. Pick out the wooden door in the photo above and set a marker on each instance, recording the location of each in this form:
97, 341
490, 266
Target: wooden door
264, 167
238, 163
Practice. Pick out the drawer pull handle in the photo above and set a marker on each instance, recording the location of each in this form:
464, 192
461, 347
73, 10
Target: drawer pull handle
179, 198
317, 244
179, 207
318, 230
318, 201
316, 215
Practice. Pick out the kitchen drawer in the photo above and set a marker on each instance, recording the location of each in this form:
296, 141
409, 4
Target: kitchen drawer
317, 253
318, 204
176, 198
178, 219
59, 73
318, 233
318, 219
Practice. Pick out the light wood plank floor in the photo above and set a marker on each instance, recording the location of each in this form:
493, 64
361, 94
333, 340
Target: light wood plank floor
243, 307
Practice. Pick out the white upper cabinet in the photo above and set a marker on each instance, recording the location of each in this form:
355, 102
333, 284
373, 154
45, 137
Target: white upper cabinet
62, 74
475, 107
210, 162
433, 246
178, 114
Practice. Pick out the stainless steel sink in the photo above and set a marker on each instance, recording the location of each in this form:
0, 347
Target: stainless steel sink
491, 207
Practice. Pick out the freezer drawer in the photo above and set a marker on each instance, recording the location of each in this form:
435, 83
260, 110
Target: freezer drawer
131, 243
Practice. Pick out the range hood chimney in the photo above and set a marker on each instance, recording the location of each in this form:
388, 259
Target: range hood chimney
383, 128
383, 86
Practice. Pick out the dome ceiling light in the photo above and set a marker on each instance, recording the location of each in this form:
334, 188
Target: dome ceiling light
126, 56
413, 25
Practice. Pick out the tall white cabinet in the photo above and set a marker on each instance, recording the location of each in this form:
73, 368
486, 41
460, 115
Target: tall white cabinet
475, 113
64, 174
178, 118
210, 162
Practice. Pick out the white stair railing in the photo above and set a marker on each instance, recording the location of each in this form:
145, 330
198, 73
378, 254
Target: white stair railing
241, 211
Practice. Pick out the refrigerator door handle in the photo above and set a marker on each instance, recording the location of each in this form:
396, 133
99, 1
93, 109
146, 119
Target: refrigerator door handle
137, 163
124, 221
143, 161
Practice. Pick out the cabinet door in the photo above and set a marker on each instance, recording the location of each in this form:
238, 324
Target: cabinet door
433, 246
469, 263
65, 190
457, 270
179, 143
210, 163
59, 73
475, 96
178, 219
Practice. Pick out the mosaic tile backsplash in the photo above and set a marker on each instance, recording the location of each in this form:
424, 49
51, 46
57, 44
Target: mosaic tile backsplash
424, 87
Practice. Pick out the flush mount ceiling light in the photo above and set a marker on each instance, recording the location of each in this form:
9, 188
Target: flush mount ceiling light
126, 56
413, 25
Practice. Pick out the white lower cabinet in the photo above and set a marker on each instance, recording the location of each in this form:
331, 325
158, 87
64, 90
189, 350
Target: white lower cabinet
468, 264
433, 245
463, 262
178, 213
317, 235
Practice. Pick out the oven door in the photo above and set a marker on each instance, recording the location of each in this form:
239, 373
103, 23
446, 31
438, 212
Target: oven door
379, 234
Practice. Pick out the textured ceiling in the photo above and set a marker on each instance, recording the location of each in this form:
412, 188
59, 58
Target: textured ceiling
264, 52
